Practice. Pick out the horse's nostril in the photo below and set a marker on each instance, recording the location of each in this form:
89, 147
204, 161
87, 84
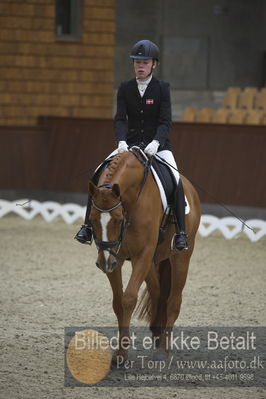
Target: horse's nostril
113, 265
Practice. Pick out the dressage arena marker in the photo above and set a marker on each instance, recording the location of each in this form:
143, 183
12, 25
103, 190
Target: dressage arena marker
230, 227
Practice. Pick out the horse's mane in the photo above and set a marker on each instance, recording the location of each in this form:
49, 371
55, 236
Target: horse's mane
114, 166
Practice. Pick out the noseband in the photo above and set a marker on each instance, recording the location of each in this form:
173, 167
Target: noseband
106, 245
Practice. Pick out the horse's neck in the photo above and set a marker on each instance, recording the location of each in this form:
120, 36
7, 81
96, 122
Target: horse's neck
127, 173
129, 177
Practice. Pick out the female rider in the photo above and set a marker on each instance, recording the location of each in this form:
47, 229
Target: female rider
143, 117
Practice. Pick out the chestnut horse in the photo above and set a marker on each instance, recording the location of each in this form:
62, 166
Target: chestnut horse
126, 216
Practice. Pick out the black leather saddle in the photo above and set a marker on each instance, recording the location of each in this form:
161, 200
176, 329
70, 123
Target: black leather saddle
166, 177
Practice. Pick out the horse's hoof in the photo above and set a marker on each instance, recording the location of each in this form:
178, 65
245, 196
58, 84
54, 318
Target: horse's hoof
160, 355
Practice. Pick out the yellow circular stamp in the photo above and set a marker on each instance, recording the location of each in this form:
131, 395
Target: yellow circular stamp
89, 356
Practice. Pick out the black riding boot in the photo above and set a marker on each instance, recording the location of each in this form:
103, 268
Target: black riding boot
85, 236
179, 241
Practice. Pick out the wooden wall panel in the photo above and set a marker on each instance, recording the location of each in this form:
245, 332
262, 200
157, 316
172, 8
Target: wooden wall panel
22, 158
225, 163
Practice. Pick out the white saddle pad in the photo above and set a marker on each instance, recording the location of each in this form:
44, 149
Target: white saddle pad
163, 195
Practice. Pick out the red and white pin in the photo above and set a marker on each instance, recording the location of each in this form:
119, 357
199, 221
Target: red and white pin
149, 101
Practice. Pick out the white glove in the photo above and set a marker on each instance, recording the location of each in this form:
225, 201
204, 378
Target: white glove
152, 148
122, 146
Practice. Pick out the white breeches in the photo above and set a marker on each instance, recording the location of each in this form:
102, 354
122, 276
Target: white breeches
168, 157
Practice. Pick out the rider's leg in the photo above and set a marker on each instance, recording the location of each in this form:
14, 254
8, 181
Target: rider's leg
179, 241
84, 236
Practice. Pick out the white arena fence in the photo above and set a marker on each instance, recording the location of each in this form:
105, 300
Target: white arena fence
230, 227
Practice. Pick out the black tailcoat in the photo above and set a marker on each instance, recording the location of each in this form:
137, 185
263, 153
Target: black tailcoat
143, 119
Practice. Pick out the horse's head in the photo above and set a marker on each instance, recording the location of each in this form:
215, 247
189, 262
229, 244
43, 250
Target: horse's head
108, 223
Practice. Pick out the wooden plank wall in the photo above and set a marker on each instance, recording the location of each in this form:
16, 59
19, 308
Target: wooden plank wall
226, 163
41, 75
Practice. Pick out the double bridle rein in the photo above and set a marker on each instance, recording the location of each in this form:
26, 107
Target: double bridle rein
107, 245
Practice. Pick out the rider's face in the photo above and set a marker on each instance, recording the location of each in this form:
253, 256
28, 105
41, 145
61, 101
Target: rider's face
143, 68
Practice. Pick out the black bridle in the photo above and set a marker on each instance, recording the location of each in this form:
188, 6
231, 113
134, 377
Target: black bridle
107, 245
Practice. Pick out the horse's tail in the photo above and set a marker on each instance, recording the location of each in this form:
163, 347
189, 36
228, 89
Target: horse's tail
144, 308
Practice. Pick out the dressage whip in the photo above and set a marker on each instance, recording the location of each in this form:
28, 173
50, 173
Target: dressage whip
212, 196
196, 185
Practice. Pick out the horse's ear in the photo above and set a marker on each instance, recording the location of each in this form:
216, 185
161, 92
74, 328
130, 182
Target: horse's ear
116, 190
92, 188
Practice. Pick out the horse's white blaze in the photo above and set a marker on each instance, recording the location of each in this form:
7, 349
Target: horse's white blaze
105, 219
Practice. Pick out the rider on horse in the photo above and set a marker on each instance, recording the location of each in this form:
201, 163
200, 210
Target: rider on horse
143, 117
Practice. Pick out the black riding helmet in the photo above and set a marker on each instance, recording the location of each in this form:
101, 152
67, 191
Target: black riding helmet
145, 49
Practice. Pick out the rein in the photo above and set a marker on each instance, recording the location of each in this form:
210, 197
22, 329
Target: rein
107, 245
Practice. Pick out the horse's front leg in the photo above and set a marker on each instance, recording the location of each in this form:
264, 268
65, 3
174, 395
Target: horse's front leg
140, 268
153, 288
179, 270
115, 279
